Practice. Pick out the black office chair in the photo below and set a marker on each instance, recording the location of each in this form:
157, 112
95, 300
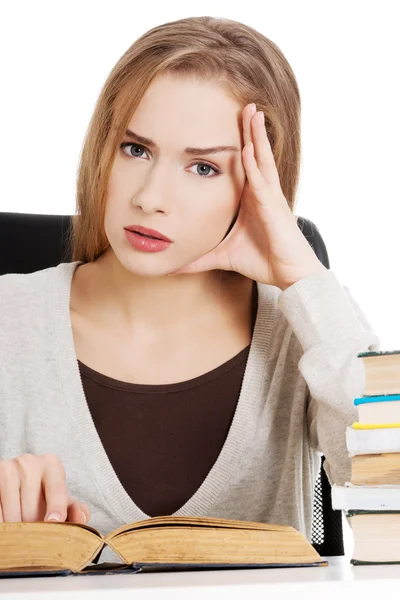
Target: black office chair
31, 242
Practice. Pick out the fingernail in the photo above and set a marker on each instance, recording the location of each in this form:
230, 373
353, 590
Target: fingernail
260, 116
84, 517
253, 108
55, 516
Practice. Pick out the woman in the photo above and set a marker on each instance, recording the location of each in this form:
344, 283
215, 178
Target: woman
127, 392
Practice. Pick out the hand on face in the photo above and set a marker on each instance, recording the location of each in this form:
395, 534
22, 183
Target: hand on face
265, 243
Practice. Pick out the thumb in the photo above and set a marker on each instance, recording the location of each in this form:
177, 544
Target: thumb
208, 262
78, 512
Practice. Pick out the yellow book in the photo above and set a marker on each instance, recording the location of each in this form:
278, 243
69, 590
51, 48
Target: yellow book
158, 543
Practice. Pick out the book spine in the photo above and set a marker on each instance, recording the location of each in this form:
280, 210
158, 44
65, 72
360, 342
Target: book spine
357, 425
378, 353
377, 398
352, 512
375, 440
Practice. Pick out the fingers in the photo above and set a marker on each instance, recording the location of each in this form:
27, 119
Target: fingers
258, 160
251, 129
33, 505
54, 488
33, 488
78, 512
247, 114
9, 493
248, 152
253, 173
262, 149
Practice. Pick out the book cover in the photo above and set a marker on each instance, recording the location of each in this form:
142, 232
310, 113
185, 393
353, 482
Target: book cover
137, 567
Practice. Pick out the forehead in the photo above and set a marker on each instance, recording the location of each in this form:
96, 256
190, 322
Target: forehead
187, 110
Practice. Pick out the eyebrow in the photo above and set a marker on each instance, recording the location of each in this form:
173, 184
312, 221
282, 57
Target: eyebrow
212, 150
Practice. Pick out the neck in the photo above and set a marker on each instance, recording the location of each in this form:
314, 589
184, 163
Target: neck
163, 305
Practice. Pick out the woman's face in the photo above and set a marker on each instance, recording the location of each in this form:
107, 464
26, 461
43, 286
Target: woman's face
192, 198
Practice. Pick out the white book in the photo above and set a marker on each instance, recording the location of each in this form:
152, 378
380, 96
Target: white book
361, 497
372, 441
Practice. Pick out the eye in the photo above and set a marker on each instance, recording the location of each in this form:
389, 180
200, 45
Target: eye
207, 166
140, 148
127, 144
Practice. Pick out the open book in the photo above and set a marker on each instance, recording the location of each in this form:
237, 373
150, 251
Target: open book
159, 543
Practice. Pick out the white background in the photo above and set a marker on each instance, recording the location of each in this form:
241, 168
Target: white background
56, 56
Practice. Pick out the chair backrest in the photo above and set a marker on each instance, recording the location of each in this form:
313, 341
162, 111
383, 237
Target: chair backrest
31, 242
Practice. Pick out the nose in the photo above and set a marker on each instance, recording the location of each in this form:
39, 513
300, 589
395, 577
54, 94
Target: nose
151, 196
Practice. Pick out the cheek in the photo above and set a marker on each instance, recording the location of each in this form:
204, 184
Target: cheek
117, 183
213, 216
228, 204
116, 196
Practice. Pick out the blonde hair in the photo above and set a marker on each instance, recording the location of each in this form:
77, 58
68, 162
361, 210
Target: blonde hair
249, 65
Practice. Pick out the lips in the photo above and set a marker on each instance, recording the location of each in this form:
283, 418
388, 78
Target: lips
150, 237
147, 232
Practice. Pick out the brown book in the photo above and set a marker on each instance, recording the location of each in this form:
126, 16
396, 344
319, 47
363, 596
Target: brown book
159, 543
376, 469
376, 536
382, 372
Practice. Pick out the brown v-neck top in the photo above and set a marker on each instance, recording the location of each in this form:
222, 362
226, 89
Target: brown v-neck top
162, 440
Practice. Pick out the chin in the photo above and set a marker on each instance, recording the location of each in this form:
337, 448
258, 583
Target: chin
144, 266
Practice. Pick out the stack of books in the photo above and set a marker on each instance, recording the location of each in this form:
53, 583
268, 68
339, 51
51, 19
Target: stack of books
371, 500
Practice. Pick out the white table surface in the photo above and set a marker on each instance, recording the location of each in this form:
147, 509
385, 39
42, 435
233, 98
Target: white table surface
338, 580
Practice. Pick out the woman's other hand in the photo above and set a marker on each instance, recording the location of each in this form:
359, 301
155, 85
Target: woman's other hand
33, 488
265, 243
